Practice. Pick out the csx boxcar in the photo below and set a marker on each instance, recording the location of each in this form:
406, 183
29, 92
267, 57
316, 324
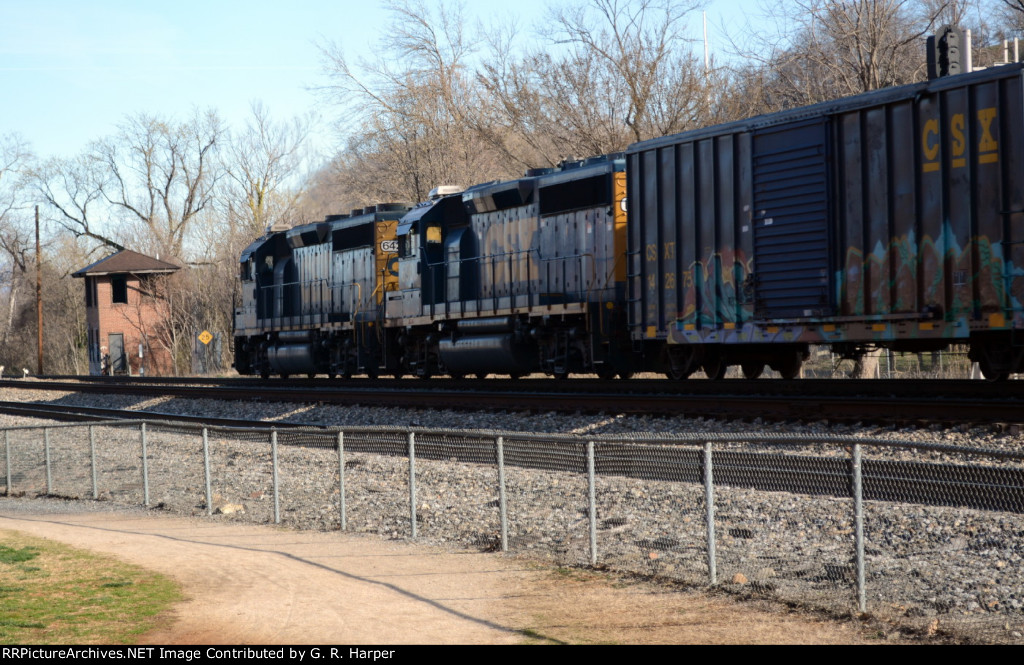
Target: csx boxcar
892, 219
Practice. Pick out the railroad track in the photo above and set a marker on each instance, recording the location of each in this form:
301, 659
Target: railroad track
985, 487
887, 402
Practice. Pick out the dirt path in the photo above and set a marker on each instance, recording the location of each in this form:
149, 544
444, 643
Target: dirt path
261, 585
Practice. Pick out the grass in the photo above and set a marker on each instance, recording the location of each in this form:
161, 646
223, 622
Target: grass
53, 594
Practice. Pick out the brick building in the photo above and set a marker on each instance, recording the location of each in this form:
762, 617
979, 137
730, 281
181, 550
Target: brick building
125, 314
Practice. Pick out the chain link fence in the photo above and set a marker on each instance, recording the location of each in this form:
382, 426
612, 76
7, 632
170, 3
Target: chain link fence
923, 537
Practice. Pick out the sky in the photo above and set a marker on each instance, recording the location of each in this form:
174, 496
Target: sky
71, 71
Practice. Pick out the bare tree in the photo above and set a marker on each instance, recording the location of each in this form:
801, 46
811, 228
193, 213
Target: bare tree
71, 188
408, 109
642, 44
154, 174
161, 175
610, 72
16, 241
828, 49
263, 165
1013, 14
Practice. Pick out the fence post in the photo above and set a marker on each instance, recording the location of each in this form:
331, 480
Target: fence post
709, 505
592, 502
412, 481
92, 458
46, 456
858, 518
273, 466
502, 501
206, 470
341, 480
145, 468
7, 458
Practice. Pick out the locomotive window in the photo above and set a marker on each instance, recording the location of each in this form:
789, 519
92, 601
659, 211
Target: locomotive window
433, 234
586, 193
354, 236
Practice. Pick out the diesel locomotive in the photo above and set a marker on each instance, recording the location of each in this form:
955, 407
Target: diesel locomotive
892, 219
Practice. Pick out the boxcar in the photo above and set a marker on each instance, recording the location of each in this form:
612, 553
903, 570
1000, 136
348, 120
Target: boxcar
891, 219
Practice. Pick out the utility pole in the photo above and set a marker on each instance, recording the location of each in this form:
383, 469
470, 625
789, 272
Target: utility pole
39, 296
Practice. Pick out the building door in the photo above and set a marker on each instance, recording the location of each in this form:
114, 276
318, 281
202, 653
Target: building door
118, 360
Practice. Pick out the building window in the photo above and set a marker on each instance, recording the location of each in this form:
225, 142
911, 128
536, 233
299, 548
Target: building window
119, 288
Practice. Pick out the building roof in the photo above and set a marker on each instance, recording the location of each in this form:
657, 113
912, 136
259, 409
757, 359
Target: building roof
126, 261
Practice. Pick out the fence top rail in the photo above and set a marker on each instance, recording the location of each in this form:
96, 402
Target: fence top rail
631, 440
93, 423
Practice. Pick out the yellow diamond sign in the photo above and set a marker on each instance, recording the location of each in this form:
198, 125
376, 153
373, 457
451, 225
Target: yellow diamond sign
205, 337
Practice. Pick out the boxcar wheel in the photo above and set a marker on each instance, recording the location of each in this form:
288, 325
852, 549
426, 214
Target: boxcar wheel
680, 363
714, 367
789, 365
989, 372
752, 370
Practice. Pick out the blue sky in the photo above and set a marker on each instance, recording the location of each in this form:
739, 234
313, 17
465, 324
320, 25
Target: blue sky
71, 71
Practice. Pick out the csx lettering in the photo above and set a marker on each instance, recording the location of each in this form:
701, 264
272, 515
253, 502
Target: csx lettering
930, 145
956, 128
670, 250
652, 252
988, 146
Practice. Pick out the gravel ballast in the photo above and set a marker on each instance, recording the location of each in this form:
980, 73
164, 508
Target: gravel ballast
934, 569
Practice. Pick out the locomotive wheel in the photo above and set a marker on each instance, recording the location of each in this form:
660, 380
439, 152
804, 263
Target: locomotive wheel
311, 375
625, 376
371, 373
265, 375
605, 371
481, 375
752, 370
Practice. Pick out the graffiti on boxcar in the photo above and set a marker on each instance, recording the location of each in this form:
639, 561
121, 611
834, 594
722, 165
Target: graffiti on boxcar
953, 280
